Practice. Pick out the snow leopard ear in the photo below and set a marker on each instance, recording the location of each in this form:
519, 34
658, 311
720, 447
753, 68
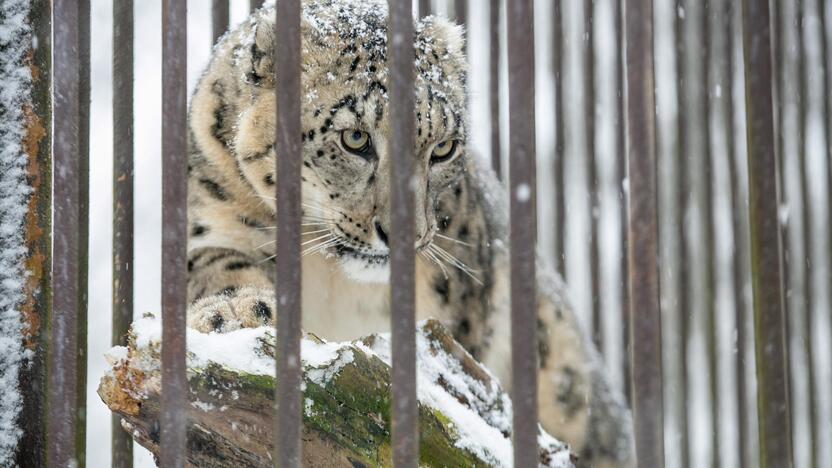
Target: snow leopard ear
260, 55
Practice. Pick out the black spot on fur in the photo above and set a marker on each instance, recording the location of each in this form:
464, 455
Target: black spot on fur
198, 230
228, 291
241, 265
214, 189
217, 322
269, 179
442, 287
262, 310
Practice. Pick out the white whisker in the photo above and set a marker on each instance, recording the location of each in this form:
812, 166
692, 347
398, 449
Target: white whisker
453, 240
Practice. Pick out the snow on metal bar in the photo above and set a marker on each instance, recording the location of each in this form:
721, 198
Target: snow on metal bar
174, 232
523, 231
405, 436
219, 19
645, 331
766, 258
494, 84
121, 441
288, 274
63, 364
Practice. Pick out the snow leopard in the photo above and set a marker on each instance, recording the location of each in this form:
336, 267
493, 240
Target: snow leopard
462, 272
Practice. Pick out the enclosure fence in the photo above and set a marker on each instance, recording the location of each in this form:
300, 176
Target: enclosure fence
745, 49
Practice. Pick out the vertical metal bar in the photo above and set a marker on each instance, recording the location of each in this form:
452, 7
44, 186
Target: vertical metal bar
122, 442
827, 127
63, 377
683, 188
425, 8
461, 11
37, 309
594, 201
645, 332
560, 141
766, 260
174, 233
705, 32
219, 19
739, 229
621, 171
806, 345
494, 84
288, 271
523, 230
402, 227
84, 226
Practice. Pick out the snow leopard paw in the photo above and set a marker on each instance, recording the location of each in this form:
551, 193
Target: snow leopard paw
244, 308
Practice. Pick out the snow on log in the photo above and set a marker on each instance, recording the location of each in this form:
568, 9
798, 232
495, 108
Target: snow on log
465, 416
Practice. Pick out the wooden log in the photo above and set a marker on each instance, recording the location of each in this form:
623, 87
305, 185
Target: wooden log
346, 410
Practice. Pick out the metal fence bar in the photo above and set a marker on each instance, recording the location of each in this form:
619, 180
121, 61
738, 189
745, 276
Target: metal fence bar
645, 333
64, 373
683, 189
739, 228
288, 271
122, 442
705, 30
592, 169
766, 260
461, 12
807, 343
523, 230
219, 19
425, 8
172, 420
494, 84
402, 227
558, 51
37, 309
621, 171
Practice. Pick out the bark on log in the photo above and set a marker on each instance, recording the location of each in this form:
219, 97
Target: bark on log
346, 420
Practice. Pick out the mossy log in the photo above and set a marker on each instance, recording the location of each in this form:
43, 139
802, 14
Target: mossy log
346, 416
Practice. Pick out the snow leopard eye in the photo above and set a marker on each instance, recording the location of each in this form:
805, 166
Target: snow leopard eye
356, 141
443, 151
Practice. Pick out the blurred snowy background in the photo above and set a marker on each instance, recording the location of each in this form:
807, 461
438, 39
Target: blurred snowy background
690, 408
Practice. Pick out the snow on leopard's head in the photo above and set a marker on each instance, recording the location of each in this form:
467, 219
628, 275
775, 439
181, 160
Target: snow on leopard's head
345, 117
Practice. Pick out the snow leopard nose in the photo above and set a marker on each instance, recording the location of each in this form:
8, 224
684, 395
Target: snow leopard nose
382, 235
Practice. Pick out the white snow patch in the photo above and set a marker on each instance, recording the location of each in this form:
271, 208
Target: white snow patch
15, 41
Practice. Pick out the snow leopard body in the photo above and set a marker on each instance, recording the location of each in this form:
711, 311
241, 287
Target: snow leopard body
462, 273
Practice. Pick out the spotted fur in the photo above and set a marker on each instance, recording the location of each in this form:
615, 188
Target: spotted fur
462, 272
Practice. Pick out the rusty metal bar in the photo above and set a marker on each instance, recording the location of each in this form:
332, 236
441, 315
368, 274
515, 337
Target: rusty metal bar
219, 19
560, 141
36, 311
523, 230
592, 169
64, 371
494, 84
402, 226
174, 397
288, 272
645, 332
766, 259
621, 171
683, 189
122, 442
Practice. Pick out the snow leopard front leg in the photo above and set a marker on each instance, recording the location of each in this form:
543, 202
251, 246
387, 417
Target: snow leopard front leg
227, 290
